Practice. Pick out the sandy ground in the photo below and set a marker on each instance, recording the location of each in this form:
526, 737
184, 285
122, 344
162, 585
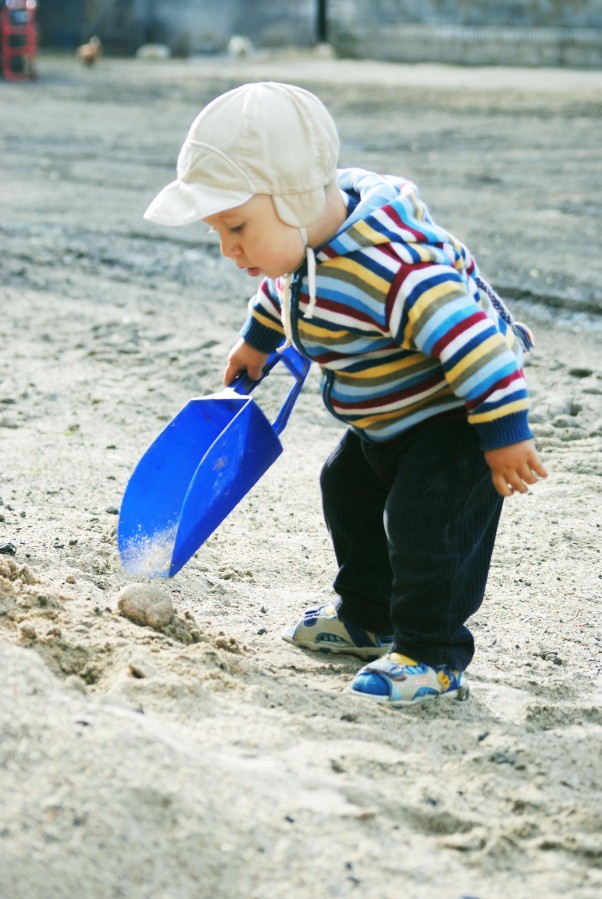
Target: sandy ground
209, 758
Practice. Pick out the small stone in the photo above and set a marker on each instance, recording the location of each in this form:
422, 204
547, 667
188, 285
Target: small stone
145, 604
27, 631
8, 549
73, 682
502, 757
565, 421
140, 668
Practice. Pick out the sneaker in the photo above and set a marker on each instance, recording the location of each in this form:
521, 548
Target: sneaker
322, 630
398, 680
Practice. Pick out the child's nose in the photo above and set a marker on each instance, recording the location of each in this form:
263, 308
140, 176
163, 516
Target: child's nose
229, 246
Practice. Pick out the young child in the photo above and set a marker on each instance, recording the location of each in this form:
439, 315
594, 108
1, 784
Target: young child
420, 359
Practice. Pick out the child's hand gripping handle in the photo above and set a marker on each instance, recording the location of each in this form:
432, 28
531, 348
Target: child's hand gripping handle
297, 365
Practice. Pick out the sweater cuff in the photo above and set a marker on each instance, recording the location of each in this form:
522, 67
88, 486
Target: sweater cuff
504, 431
259, 337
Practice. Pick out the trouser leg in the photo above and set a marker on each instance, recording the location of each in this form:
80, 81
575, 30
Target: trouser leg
441, 517
353, 497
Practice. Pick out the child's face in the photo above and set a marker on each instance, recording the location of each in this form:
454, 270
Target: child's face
254, 238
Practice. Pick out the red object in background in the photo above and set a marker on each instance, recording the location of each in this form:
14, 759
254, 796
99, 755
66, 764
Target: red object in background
18, 39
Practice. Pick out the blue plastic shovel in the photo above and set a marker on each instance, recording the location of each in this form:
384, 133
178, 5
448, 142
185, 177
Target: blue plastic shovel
197, 470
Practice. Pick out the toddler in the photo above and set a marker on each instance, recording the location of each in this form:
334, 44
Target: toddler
420, 359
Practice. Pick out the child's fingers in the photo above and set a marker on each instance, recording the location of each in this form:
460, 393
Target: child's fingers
230, 372
501, 484
243, 358
509, 482
517, 485
538, 468
255, 371
527, 475
515, 468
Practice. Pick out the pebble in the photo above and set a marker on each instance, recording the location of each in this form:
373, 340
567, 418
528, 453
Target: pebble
27, 631
140, 668
8, 549
73, 682
145, 604
565, 421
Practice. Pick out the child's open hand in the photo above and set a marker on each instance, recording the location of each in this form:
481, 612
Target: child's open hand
514, 467
243, 357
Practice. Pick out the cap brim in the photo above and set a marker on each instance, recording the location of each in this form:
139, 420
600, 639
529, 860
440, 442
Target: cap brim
182, 203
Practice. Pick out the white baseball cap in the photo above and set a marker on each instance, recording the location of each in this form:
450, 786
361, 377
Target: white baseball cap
261, 138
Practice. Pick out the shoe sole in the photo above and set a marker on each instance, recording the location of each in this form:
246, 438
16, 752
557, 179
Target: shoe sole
366, 653
460, 695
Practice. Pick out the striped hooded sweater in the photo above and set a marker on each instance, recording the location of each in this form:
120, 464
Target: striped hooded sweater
401, 324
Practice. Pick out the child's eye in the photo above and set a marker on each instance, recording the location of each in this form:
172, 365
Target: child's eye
237, 229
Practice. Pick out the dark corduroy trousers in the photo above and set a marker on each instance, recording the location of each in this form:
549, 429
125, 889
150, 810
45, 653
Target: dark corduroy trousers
413, 524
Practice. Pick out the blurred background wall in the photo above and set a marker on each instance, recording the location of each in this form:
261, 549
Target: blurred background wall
472, 32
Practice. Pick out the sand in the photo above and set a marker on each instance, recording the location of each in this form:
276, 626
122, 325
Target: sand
208, 757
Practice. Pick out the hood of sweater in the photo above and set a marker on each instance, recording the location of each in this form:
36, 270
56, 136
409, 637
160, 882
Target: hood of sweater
387, 210
381, 209
384, 209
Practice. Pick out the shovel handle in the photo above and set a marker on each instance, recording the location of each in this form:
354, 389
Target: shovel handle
297, 365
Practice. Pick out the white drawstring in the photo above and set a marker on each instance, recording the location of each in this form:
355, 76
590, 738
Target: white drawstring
311, 282
286, 314
286, 299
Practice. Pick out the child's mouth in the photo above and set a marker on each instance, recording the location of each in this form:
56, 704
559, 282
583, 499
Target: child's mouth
253, 271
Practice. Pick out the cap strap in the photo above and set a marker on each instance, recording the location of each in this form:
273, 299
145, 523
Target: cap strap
286, 313
311, 282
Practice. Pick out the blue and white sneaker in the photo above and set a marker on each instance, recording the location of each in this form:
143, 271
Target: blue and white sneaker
322, 630
398, 680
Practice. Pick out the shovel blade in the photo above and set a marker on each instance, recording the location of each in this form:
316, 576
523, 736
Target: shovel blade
189, 479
